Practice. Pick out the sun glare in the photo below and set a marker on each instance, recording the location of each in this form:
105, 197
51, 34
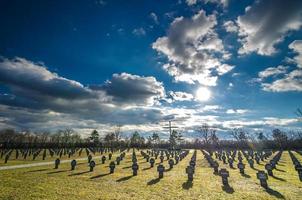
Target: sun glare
203, 94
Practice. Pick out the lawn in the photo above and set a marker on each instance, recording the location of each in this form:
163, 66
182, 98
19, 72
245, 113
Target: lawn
47, 183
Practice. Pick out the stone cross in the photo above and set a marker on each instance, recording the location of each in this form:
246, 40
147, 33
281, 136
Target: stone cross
161, 158
103, 159
160, 170
112, 167
224, 175
73, 164
251, 163
134, 168
230, 160
190, 171
176, 159
269, 169
262, 176
91, 165
171, 163
118, 160
152, 161
241, 167
57, 163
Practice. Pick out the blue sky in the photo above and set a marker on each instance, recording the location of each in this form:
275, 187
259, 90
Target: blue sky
95, 64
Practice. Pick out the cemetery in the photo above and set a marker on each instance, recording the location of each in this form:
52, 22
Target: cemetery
150, 100
142, 173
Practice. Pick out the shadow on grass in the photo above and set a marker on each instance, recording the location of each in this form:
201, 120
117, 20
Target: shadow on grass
80, 173
246, 175
56, 172
147, 168
228, 189
256, 169
99, 176
153, 181
124, 178
38, 170
169, 169
127, 167
274, 193
187, 185
280, 170
278, 178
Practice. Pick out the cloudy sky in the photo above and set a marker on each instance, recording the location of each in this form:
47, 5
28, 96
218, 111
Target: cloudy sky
95, 64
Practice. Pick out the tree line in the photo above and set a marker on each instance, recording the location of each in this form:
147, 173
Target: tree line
206, 137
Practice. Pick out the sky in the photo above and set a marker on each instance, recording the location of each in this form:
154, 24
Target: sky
98, 64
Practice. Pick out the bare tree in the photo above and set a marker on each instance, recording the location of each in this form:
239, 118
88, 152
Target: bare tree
208, 135
239, 134
204, 132
299, 114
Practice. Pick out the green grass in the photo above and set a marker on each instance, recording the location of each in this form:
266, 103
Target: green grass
43, 183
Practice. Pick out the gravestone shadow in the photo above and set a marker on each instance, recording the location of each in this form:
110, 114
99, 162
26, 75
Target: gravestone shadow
124, 178
187, 185
80, 173
153, 181
127, 167
280, 170
99, 176
228, 189
169, 169
147, 168
38, 170
278, 178
274, 193
256, 169
246, 175
56, 172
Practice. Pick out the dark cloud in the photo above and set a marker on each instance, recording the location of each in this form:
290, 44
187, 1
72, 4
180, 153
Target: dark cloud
131, 89
40, 98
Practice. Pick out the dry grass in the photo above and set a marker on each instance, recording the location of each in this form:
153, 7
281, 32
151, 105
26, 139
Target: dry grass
47, 183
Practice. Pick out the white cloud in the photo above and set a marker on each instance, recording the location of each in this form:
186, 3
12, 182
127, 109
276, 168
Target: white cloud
154, 17
223, 3
266, 23
139, 31
191, 2
296, 46
194, 50
230, 26
180, 96
272, 71
236, 111
290, 82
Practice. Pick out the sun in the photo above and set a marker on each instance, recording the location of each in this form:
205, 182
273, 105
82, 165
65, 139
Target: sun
203, 94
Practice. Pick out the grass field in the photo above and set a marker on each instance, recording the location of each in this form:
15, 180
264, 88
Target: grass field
47, 183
